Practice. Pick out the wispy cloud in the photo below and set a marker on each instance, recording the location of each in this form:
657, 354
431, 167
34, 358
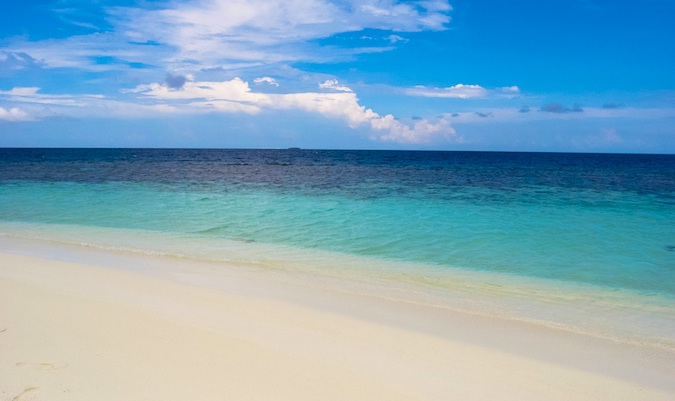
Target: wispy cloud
15, 61
460, 91
31, 95
525, 113
198, 34
214, 32
38, 106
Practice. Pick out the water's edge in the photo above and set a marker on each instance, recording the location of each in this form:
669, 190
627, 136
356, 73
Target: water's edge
618, 315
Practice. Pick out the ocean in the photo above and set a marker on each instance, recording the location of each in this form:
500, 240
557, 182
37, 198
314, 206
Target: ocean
582, 242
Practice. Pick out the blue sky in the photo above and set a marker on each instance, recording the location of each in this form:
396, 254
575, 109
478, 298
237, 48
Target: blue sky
576, 75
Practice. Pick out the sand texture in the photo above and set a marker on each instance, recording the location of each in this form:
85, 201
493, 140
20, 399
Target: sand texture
88, 330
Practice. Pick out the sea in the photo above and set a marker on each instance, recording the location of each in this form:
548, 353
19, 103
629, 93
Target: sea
579, 242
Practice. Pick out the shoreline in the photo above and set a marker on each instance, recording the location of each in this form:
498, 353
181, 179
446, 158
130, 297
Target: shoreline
617, 315
113, 326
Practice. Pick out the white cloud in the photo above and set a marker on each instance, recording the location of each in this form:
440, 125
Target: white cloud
268, 80
398, 16
462, 91
233, 96
459, 91
507, 92
212, 32
335, 85
510, 89
336, 105
21, 91
31, 95
234, 90
422, 131
396, 38
42, 106
14, 115
436, 5
95, 52
383, 128
236, 96
192, 35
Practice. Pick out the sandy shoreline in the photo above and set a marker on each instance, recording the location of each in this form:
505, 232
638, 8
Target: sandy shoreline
99, 329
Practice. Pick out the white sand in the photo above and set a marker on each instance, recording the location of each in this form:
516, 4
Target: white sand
87, 331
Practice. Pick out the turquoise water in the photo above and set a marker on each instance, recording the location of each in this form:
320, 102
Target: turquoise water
600, 223
620, 244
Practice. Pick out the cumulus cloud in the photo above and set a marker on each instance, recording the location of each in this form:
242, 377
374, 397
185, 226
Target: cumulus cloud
422, 131
14, 114
335, 85
345, 105
236, 96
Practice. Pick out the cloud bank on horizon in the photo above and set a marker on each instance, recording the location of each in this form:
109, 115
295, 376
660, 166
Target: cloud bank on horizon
375, 73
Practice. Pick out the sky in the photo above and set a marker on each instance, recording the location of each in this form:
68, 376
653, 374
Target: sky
526, 75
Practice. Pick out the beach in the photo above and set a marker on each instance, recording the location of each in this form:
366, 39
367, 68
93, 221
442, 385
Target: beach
91, 324
322, 200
